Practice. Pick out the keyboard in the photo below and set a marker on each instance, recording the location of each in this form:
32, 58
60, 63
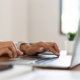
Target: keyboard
43, 60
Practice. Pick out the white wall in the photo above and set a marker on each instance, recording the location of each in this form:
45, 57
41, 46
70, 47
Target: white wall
45, 22
14, 20
31, 20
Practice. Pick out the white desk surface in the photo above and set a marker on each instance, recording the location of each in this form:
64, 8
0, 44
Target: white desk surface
42, 73
50, 75
16, 71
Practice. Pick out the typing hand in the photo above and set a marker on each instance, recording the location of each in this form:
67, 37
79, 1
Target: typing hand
40, 47
9, 48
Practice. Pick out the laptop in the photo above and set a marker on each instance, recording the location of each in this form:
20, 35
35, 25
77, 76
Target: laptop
50, 61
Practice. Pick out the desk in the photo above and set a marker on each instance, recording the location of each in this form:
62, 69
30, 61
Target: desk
50, 74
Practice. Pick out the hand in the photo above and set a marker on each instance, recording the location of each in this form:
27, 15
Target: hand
9, 48
40, 47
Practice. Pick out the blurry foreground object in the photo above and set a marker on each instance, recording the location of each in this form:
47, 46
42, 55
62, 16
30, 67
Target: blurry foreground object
14, 72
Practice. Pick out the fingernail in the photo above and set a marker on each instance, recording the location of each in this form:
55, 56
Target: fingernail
41, 49
58, 54
21, 52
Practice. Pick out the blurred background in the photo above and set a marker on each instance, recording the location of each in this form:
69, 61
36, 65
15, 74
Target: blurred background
38, 20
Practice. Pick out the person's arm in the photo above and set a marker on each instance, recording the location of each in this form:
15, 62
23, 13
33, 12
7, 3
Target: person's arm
39, 47
9, 47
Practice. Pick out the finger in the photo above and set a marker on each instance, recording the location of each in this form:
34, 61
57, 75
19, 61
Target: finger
49, 48
40, 49
56, 47
14, 45
6, 51
19, 53
54, 51
9, 44
11, 47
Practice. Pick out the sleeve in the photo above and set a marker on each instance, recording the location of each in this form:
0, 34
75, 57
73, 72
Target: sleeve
19, 43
